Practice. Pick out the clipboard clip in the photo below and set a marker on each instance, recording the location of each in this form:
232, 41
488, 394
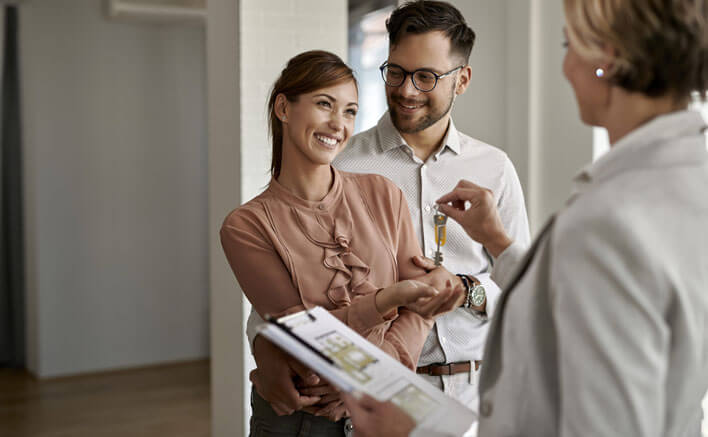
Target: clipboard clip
287, 330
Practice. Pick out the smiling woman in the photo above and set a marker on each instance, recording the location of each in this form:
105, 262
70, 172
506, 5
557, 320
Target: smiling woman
321, 237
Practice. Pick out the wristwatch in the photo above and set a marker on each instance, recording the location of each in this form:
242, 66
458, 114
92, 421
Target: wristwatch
476, 294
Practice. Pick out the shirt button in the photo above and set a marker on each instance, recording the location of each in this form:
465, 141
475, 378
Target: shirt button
486, 408
320, 206
349, 427
426, 208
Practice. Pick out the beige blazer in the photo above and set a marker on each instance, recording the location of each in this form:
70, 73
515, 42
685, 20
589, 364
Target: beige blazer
603, 327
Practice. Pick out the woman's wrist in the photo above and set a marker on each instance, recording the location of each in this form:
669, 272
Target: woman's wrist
383, 301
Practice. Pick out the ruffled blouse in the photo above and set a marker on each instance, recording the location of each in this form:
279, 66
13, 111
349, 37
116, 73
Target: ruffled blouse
289, 254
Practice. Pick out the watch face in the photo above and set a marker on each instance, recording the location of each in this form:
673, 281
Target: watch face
478, 295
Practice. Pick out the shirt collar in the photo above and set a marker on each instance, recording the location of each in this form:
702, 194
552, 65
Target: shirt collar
390, 138
644, 147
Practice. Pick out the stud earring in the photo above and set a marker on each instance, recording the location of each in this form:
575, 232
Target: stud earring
600, 72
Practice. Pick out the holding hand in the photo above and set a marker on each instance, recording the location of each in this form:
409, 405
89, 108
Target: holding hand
273, 379
419, 297
372, 418
330, 404
481, 219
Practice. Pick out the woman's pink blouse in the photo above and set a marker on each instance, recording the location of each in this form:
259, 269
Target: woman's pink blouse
289, 254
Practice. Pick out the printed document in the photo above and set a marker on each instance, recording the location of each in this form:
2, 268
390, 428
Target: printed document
351, 363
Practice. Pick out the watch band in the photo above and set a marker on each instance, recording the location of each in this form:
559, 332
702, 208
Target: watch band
466, 282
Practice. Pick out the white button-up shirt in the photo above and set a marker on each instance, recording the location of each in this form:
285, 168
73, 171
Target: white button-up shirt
459, 335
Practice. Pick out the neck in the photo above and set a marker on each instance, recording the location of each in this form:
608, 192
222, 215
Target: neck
631, 110
427, 141
306, 180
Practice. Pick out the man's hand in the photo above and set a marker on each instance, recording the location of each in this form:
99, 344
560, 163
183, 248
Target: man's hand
273, 379
330, 404
481, 219
440, 278
402, 293
372, 418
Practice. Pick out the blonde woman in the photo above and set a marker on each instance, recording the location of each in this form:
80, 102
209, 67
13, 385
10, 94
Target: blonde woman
601, 330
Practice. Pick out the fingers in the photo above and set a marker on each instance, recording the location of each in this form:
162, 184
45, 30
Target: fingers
329, 398
449, 303
452, 196
451, 211
328, 409
338, 413
319, 390
358, 407
305, 373
424, 263
281, 409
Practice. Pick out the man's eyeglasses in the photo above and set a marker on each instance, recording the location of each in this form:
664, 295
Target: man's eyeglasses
424, 80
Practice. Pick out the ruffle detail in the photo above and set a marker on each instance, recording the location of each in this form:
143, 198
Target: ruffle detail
351, 274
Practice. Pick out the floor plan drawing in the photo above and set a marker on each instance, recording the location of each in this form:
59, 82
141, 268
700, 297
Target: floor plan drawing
350, 357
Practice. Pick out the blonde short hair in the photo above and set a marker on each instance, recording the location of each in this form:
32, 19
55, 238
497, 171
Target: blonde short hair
661, 45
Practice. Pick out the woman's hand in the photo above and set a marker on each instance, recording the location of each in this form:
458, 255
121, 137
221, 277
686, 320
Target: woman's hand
372, 418
451, 297
481, 219
403, 293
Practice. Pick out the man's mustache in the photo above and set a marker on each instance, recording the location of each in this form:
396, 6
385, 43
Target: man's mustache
408, 102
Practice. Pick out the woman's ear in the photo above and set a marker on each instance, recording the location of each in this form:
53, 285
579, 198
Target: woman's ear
281, 107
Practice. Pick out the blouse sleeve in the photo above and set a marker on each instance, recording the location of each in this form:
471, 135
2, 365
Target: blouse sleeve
405, 338
267, 283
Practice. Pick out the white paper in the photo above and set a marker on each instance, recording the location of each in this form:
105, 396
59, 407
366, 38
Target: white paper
361, 366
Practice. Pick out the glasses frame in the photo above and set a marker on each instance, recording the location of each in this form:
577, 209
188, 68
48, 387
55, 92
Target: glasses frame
407, 73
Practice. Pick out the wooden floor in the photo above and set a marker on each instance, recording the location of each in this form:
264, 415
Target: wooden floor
169, 401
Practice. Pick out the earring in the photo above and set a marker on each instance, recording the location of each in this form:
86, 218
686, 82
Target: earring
600, 72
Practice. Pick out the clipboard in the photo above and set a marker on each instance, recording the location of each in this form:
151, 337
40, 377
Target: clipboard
352, 364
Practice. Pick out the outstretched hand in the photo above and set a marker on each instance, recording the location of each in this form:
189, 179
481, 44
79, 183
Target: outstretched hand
475, 209
372, 418
452, 291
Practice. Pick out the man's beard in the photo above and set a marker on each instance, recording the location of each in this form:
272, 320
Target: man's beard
425, 122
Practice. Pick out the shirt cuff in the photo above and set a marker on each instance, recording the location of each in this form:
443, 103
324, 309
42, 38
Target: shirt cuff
254, 321
363, 314
492, 292
505, 263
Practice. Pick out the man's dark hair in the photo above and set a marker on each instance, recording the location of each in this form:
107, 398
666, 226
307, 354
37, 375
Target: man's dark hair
424, 16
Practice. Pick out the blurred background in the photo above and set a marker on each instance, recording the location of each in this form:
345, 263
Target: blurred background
130, 128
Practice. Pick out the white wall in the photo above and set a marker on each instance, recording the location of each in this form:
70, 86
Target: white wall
519, 100
115, 182
481, 111
267, 35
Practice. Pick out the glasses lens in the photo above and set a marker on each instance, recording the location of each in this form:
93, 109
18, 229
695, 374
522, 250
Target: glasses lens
424, 80
393, 76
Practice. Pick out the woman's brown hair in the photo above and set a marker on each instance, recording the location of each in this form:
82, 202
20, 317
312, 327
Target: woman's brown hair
305, 73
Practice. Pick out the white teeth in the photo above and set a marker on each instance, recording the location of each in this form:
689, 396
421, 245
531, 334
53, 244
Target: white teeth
327, 140
409, 107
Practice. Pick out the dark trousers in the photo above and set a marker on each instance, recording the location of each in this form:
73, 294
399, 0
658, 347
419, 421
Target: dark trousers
265, 422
